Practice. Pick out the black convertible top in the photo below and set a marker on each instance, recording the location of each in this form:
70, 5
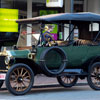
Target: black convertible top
64, 17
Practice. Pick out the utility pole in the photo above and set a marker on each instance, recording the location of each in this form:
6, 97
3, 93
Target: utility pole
29, 15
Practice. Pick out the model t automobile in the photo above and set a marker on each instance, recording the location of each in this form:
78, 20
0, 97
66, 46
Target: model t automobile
75, 56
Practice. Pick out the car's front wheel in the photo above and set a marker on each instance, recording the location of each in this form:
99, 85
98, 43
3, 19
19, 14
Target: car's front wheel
67, 81
19, 79
94, 76
1, 83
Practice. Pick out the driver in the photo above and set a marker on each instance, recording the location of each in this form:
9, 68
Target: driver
46, 36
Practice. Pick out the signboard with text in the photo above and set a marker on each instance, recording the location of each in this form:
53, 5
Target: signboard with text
8, 19
54, 3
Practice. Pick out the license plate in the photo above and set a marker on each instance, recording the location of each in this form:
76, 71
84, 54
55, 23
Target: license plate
2, 76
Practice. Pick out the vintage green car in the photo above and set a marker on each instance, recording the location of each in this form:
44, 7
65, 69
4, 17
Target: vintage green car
76, 55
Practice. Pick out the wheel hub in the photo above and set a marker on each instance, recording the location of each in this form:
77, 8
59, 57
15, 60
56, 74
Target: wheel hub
98, 76
19, 80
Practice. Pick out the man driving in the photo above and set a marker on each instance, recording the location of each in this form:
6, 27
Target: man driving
46, 36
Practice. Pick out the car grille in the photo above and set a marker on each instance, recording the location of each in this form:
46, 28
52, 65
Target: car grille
2, 63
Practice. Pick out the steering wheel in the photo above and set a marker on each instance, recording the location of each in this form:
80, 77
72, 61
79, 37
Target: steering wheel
50, 40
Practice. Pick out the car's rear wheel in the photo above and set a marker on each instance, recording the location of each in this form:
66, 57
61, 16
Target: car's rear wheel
67, 81
19, 79
1, 83
94, 76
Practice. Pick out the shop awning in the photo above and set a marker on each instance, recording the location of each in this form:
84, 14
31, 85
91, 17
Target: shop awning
63, 17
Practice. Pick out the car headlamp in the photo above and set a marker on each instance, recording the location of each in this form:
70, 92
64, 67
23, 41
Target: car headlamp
31, 55
9, 60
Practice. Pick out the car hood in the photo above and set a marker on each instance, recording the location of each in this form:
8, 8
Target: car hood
18, 53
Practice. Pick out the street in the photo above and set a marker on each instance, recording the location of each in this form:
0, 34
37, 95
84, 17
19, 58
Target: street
55, 38
52, 92
58, 93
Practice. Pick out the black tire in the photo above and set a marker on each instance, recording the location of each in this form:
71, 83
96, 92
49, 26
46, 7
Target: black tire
68, 81
1, 83
19, 79
94, 76
53, 72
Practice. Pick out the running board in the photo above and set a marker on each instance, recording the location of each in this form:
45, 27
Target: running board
74, 72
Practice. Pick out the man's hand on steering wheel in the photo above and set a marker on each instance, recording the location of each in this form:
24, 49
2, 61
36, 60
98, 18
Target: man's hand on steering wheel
50, 40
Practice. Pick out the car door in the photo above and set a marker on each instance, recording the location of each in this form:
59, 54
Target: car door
93, 51
76, 55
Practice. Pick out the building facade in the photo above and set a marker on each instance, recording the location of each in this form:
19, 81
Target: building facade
37, 5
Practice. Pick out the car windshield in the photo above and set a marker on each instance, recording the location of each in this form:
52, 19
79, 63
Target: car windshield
34, 33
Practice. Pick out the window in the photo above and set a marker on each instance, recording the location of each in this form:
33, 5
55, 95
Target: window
94, 27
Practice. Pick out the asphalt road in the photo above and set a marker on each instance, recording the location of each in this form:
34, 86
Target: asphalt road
52, 92
55, 93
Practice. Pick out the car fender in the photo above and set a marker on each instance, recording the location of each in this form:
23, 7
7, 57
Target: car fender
93, 60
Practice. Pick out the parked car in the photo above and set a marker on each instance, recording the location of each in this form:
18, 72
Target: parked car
76, 56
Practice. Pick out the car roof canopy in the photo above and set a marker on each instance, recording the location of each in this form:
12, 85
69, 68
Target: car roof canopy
64, 18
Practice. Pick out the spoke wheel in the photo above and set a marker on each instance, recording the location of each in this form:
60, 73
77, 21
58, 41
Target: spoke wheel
19, 79
67, 81
1, 83
94, 76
